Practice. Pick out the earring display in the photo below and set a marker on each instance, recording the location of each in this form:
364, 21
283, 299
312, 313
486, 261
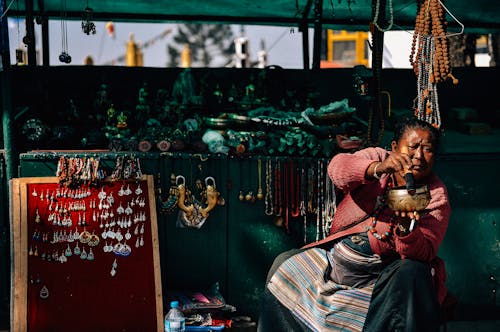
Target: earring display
76, 237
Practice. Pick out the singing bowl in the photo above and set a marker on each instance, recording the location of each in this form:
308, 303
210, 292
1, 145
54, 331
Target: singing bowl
399, 199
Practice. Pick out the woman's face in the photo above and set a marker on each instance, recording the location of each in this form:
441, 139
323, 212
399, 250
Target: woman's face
418, 144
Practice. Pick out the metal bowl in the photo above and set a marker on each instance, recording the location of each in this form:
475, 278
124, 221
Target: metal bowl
399, 199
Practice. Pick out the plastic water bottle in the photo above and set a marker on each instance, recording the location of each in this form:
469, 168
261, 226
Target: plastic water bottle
174, 319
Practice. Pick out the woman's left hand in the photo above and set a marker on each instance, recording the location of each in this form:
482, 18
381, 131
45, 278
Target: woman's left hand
405, 222
404, 214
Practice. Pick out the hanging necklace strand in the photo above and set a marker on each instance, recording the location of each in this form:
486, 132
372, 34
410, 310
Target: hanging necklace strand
277, 189
318, 203
295, 187
330, 204
268, 199
260, 194
303, 195
391, 16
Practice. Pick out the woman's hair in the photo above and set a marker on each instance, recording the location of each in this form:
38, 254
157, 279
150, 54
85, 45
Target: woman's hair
414, 123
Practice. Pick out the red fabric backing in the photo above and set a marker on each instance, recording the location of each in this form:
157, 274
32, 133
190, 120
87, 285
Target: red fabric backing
83, 296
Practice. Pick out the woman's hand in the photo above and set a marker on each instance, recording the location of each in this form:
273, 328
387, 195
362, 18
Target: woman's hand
410, 215
405, 222
395, 162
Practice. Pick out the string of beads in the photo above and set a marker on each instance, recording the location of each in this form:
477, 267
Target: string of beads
431, 21
429, 58
379, 206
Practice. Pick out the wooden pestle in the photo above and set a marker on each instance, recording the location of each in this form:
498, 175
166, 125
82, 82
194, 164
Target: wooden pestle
408, 175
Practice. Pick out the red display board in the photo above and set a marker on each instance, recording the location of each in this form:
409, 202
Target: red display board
85, 258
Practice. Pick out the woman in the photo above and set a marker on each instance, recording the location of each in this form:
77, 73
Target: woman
377, 270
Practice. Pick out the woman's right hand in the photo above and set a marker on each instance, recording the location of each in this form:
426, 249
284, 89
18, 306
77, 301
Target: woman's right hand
395, 162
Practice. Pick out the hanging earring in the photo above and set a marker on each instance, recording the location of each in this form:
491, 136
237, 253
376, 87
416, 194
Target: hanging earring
44, 293
68, 252
77, 251
83, 255
212, 196
249, 197
90, 256
173, 196
37, 217
184, 196
114, 266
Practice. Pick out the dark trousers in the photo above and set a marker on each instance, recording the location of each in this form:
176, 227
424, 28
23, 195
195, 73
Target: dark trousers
403, 299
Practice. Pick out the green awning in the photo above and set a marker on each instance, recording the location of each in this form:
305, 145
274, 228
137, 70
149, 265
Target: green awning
477, 16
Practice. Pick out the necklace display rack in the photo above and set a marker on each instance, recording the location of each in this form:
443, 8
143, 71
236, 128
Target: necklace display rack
293, 189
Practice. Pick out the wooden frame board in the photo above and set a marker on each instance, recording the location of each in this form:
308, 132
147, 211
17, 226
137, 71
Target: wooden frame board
21, 250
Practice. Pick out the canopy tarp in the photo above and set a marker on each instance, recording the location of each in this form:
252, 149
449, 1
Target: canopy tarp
477, 16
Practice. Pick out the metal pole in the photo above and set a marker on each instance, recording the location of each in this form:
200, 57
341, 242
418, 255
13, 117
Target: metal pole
7, 124
4, 37
44, 21
318, 13
29, 39
305, 45
377, 60
304, 28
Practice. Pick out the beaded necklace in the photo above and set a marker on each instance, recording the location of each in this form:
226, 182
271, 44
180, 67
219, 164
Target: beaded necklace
286, 193
380, 205
277, 189
268, 199
429, 58
376, 14
303, 199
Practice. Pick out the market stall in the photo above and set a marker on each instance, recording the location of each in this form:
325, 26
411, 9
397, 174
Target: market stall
259, 138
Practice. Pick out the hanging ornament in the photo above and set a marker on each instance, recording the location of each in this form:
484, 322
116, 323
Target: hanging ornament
110, 28
88, 27
44, 293
64, 56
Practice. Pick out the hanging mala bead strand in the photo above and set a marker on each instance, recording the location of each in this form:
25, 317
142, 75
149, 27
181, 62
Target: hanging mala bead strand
277, 189
330, 203
431, 20
376, 14
379, 207
296, 193
260, 194
286, 194
303, 199
319, 202
310, 190
431, 60
268, 198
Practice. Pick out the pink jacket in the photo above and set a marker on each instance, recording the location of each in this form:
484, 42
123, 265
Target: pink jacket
347, 172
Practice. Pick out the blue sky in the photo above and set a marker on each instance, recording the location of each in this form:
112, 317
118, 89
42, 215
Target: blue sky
284, 47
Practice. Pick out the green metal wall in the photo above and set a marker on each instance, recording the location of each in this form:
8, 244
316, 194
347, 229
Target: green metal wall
471, 247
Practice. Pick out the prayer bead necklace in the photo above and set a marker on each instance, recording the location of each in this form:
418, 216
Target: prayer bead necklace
380, 205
